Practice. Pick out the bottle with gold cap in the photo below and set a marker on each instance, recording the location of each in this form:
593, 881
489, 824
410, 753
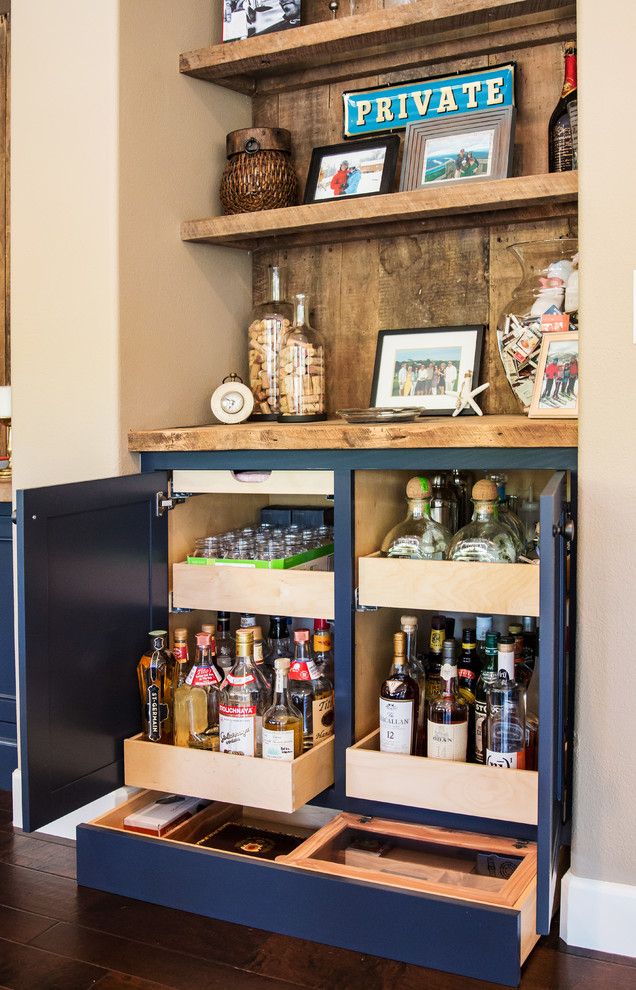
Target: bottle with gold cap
418, 536
399, 699
282, 722
485, 538
243, 701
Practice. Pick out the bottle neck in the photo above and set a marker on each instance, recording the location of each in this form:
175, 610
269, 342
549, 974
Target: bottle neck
419, 508
399, 666
203, 656
275, 285
506, 665
222, 626
569, 80
180, 652
437, 640
411, 642
485, 512
301, 652
280, 688
300, 310
278, 629
448, 675
490, 663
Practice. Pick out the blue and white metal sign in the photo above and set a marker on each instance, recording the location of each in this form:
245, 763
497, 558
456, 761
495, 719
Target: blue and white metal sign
390, 108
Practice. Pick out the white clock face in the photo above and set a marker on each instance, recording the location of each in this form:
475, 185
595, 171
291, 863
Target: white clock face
232, 402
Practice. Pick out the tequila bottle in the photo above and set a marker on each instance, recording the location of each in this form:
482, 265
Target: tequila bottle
506, 713
418, 537
311, 693
485, 681
282, 722
155, 673
399, 696
486, 538
202, 701
447, 724
243, 701
417, 671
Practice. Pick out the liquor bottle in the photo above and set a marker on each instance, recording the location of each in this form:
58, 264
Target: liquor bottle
247, 620
417, 537
311, 693
323, 653
225, 643
506, 713
468, 668
523, 673
202, 702
530, 641
282, 722
259, 659
485, 538
507, 515
417, 671
434, 658
155, 673
483, 625
444, 503
462, 482
278, 638
486, 679
180, 688
398, 704
243, 701
561, 147
447, 723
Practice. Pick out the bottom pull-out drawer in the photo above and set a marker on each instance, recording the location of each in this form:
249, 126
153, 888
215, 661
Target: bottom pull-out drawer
453, 901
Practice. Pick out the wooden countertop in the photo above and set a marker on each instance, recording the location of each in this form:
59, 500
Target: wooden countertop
463, 431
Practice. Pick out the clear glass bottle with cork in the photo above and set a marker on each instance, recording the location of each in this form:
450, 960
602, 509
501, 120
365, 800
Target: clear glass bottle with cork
418, 536
485, 538
302, 369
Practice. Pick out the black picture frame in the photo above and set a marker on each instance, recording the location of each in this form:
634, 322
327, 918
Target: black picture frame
391, 145
423, 335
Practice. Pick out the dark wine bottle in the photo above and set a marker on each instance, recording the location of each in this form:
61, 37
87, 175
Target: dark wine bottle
562, 127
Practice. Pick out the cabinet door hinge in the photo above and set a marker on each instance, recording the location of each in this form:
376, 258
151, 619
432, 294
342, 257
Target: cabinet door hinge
566, 527
166, 501
357, 607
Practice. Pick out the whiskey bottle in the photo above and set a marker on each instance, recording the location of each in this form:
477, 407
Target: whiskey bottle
282, 722
486, 679
399, 696
180, 688
506, 713
417, 671
447, 724
311, 693
468, 668
434, 658
225, 643
561, 140
202, 702
485, 538
323, 652
155, 673
418, 537
243, 700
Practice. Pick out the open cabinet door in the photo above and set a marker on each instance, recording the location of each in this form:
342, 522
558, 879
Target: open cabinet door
552, 695
92, 581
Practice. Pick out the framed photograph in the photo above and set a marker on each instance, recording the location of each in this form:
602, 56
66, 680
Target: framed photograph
381, 109
425, 369
246, 18
470, 147
359, 168
556, 387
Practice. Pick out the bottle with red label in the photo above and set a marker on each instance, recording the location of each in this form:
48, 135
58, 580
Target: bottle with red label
203, 682
323, 653
180, 688
244, 698
311, 693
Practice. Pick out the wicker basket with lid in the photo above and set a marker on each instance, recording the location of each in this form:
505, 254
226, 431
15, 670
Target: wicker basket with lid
259, 174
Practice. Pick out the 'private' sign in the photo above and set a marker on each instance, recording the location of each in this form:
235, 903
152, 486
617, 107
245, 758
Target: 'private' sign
389, 108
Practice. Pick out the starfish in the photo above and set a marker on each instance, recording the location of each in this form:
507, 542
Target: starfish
467, 398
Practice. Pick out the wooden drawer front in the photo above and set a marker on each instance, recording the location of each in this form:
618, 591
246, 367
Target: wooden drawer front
449, 586
249, 483
440, 785
271, 784
481, 940
251, 589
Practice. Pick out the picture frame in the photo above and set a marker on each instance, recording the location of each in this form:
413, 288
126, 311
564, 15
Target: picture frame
369, 169
411, 368
247, 18
556, 386
470, 147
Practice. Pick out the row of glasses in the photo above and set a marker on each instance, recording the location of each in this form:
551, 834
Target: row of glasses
264, 542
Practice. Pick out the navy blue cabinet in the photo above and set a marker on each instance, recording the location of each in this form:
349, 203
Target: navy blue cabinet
8, 745
93, 564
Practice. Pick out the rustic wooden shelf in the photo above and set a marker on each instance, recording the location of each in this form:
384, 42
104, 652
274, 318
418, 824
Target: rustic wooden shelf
498, 201
351, 47
462, 431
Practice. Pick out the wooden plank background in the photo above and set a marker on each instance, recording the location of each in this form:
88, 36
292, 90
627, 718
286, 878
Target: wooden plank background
443, 278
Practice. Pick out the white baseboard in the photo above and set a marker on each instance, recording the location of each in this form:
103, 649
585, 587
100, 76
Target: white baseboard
598, 915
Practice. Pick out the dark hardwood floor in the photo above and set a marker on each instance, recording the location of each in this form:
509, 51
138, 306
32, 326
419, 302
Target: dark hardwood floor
57, 936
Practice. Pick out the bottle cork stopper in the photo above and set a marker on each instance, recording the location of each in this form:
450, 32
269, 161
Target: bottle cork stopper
203, 639
281, 663
418, 488
399, 644
485, 491
301, 636
210, 629
408, 621
180, 635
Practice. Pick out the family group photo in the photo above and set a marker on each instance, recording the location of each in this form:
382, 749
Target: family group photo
355, 174
458, 156
559, 387
430, 371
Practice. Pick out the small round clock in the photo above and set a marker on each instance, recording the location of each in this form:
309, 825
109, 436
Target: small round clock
232, 401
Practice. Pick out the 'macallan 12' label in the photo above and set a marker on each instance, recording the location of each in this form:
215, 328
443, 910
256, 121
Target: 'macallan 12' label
237, 729
396, 726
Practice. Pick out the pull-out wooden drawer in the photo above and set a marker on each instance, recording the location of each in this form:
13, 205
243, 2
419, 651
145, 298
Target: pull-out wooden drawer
272, 784
248, 589
254, 482
440, 785
448, 900
449, 586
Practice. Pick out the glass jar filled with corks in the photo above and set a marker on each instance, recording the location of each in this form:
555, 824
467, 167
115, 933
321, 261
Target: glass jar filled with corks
302, 382
271, 320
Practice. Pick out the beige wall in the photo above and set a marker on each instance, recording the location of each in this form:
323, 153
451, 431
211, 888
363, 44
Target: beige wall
115, 322
605, 750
